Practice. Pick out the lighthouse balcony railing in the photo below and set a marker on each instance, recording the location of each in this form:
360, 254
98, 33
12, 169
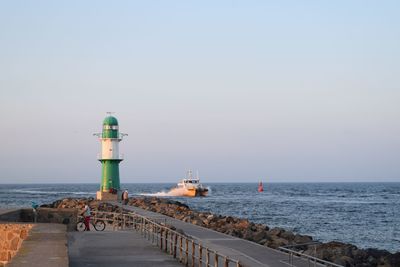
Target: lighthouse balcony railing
101, 157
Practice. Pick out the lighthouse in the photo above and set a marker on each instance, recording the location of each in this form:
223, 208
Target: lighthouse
109, 159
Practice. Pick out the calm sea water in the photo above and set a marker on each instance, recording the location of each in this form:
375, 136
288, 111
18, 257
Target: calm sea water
364, 214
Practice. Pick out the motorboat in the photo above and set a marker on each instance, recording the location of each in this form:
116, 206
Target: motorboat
191, 187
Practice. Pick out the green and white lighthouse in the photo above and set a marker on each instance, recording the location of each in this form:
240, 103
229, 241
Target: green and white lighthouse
110, 159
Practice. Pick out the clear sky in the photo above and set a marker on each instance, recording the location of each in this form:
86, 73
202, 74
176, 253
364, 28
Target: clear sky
241, 90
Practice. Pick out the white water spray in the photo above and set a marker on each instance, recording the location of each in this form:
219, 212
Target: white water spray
174, 192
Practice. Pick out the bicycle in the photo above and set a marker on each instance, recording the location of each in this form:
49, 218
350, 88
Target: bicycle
98, 225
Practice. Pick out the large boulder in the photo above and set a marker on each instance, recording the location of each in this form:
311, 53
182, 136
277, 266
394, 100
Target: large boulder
277, 242
302, 239
258, 236
276, 231
392, 259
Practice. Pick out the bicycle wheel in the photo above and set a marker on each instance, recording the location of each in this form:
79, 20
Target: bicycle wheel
99, 226
80, 226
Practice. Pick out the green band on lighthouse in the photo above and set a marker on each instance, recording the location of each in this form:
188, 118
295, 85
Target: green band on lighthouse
110, 175
110, 158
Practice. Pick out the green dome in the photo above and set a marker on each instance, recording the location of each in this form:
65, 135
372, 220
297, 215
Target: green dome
110, 120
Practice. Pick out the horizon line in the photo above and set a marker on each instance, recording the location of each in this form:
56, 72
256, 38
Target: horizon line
255, 182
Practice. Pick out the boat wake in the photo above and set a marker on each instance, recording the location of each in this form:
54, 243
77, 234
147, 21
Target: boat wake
174, 192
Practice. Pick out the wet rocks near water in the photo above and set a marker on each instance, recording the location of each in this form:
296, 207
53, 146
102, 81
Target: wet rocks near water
349, 255
337, 252
79, 203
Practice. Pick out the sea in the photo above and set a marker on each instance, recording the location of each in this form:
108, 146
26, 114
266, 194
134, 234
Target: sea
364, 214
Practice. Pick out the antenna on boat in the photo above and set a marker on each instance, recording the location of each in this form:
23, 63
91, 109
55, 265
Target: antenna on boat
197, 174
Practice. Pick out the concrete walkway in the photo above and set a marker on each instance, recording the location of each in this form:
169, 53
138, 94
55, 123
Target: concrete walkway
46, 246
249, 253
116, 249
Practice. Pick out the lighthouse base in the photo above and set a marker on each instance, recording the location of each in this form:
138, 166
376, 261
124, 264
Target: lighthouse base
106, 196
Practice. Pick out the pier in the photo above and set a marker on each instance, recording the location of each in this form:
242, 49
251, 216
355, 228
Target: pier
138, 237
247, 253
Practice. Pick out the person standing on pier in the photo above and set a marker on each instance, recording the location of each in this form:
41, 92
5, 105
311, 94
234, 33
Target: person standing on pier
86, 215
125, 197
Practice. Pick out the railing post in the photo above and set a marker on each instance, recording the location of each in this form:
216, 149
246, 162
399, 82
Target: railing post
207, 258
175, 244
156, 232
291, 259
171, 243
152, 233
180, 249
123, 221
113, 223
149, 230
226, 263
166, 240
143, 229
200, 254
315, 255
215, 259
130, 221
193, 253
187, 252
161, 239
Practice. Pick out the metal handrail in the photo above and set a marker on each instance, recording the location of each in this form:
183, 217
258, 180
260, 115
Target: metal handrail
167, 239
189, 250
311, 259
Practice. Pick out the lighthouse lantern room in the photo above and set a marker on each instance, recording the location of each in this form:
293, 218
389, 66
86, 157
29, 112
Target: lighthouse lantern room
110, 159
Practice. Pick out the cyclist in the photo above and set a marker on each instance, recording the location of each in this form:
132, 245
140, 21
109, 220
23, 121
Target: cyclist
86, 216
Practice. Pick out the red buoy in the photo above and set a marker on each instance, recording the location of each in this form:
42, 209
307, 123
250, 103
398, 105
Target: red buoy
260, 187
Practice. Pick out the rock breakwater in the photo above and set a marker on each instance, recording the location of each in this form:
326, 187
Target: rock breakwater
337, 252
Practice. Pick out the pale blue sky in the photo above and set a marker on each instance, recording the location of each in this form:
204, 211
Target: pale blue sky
242, 90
